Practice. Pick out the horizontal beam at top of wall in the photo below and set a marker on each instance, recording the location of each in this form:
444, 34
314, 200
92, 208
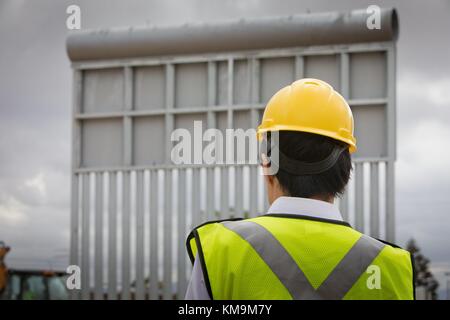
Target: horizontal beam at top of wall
194, 166
237, 55
266, 32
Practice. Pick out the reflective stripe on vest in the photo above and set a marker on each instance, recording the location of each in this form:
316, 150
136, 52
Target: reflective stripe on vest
335, 286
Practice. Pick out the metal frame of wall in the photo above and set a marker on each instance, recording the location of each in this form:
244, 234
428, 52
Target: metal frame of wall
96, 191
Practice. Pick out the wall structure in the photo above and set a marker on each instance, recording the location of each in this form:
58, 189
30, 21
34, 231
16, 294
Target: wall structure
132, 207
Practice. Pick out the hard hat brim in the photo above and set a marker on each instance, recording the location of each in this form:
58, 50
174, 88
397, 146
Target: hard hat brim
350, 142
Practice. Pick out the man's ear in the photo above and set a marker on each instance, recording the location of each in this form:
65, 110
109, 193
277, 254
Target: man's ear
265, 164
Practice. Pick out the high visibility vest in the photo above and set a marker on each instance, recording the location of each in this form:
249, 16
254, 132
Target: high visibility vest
298, 257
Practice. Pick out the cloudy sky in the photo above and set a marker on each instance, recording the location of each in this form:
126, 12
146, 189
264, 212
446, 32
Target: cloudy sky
35, 91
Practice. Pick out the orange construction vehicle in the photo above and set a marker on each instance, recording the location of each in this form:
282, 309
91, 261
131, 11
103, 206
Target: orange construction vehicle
3, 269
18, 284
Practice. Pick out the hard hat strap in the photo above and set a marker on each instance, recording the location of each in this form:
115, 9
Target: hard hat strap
300, 168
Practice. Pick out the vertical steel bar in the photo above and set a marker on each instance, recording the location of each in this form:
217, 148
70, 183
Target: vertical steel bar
391, 99
127, 161
128, 88
343, 205
85, 235
260, 191
126, 236
181, 265
253, 191
391, 143
212, 87
210, 191
195, 197
345, 92
359, 196
76, 124
112, 237
230, 85
224, 197
140, 294
169, 125
167, 287
98, 293
238, 191
230, 156
74, 226
188, 210
299, 67
345, 75
211, 119
374, 198
230, 73
170, 100
154, 281
127, 121
254, 118
127, 143
390, 201
75, 178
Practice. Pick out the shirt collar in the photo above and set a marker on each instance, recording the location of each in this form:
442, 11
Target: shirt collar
306, 207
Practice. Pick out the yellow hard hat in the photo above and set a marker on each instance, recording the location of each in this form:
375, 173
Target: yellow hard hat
310, 105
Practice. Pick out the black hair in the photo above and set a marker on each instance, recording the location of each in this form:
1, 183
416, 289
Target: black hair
307, 147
